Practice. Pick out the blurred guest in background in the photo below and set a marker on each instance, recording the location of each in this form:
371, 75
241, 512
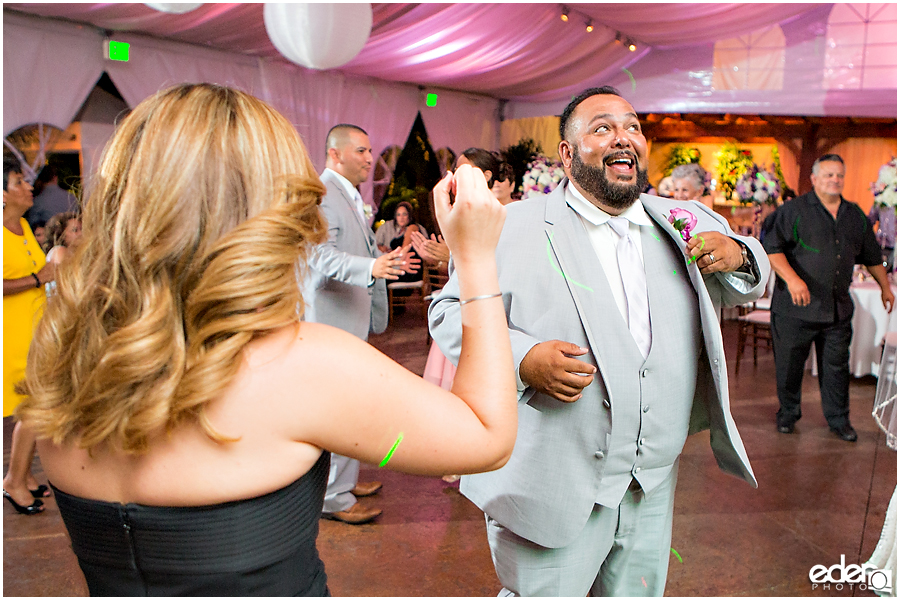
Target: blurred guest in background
40, 233
689, 183
813, 244
504, 183
25, 271
666, 188
484, 160
63, 233
396, 234
49, 199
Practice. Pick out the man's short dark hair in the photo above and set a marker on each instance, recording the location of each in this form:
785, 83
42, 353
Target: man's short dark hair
329, 139
567, 112
826, 158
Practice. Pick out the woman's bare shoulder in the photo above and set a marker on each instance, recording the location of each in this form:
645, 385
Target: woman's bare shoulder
302, 350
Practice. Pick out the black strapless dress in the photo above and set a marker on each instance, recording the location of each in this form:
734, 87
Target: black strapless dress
263, 546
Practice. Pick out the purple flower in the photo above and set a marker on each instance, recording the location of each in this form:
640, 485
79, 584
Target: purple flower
683, 221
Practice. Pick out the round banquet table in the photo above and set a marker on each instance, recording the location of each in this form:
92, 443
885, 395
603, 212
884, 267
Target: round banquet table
871, 322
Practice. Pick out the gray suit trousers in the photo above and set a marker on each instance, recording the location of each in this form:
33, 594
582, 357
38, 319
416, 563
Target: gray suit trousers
622, 551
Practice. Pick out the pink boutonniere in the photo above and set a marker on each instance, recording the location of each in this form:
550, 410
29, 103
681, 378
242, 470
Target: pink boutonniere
683, 221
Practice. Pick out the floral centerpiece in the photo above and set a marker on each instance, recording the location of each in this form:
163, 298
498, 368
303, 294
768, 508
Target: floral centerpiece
731, 163
884, 211
542, 177
885, 189
759, 186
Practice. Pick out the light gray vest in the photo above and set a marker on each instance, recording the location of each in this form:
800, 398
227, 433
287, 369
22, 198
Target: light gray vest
651, 409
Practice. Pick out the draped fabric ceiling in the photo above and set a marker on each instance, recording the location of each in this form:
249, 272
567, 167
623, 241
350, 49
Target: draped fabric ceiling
488, 62
510, 51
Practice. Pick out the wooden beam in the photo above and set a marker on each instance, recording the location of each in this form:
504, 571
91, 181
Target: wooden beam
676, 126
808, 155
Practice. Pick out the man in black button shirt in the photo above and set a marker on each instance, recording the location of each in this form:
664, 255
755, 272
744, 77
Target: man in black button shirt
814, 243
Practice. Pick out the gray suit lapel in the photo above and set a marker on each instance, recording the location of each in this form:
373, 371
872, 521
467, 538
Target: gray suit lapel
573, 258
351, 205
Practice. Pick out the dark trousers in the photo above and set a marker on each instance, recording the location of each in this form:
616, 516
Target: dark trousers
791, 340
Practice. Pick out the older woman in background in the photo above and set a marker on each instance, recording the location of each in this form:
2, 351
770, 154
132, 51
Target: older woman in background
689, 183
181, 404
25, 271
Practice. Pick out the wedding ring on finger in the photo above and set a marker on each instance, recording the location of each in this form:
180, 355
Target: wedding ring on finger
712, 258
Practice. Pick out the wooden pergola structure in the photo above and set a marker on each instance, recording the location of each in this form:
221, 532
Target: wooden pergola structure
807, 138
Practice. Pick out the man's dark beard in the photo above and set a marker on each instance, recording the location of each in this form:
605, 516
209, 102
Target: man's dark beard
593, 180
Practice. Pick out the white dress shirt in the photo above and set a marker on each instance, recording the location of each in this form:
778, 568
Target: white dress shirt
604, 239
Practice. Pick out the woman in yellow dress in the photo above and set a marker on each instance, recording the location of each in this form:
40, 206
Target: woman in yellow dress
25, 271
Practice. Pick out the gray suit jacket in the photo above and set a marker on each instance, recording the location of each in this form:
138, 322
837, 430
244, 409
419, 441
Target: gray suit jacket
548, 271
336, 289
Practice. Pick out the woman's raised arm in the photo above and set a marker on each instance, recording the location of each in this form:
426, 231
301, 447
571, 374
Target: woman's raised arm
357, 402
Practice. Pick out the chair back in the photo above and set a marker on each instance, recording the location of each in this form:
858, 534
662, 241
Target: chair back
433, 278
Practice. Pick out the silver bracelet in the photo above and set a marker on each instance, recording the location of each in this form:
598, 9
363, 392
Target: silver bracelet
484, 297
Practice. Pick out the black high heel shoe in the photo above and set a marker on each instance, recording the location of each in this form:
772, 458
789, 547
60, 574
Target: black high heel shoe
34, 508
42, 491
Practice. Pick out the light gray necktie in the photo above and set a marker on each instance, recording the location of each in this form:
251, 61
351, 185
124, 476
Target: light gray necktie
359, 207
635, 283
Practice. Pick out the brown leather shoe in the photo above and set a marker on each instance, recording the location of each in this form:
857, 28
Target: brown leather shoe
367, 488
355, 515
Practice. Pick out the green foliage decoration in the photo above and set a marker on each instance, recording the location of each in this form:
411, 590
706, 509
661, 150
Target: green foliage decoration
680, 154
786, 191
416, 173
519, 155
731, 163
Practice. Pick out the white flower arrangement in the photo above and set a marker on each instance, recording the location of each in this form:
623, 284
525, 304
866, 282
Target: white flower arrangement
885, 189
368, 211
759, 186
542, 177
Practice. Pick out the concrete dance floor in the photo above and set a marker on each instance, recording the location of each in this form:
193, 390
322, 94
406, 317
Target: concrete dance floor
818, 498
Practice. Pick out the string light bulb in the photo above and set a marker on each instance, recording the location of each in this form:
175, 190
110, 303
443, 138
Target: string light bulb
565, 14
632, 47
589, 26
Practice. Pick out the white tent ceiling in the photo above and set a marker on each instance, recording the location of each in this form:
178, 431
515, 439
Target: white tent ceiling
512, 51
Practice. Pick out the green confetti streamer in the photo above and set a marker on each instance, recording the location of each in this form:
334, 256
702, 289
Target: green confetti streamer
630, 76
555, 268
702, 243
797, 237
676, 555
391, 451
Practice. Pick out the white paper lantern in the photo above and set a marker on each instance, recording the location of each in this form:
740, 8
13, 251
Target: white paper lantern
318, 36
175, 8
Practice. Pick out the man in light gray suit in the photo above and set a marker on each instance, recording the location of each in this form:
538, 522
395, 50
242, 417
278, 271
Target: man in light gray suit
345, 287
617, 362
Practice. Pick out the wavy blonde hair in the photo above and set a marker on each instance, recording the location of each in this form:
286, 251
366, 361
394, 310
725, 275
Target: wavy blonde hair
195, 231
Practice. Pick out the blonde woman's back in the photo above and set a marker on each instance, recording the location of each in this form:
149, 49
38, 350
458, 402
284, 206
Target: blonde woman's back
178, 398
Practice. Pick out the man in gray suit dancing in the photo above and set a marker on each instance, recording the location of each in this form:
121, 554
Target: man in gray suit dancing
613, 318
345, 288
